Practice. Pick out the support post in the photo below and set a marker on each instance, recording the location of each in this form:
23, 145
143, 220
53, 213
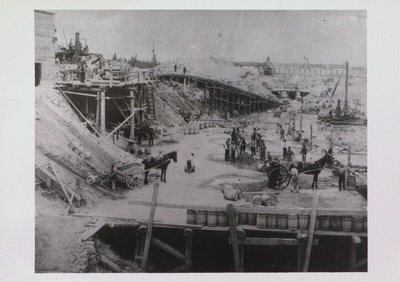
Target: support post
300, 250
349, 156
241, 234
311, 229
98, 111
235, 244
188, 233
102, 112
132, 122
86, 105
311, 136
150, 227
355, 241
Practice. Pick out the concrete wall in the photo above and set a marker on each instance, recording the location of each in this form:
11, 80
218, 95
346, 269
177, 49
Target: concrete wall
45, 43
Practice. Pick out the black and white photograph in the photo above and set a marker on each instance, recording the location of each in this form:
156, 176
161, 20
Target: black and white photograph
199, 141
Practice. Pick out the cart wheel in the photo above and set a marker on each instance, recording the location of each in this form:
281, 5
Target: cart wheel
282, 178
134, 181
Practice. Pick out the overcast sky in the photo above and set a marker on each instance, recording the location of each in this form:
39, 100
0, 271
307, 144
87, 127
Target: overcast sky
284, 36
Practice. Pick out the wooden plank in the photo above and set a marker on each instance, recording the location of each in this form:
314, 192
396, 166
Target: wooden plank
63, 188
188, 233
235, 245
90, 232
355, 240
102, 113
311, 232
167, 248
81, 94
266, 210
150, 227
118, 127
272, 242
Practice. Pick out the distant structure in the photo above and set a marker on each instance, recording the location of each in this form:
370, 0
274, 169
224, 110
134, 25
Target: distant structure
268, 68
45, 46
154, 62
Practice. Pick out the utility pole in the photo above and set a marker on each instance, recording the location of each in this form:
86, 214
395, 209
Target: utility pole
346, 87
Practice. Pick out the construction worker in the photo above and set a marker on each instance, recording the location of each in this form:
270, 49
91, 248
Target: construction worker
184, 70
342, 177
253, 147
242, 145
294, 178
284, 150
233, 151
190, 163
303, 153
151, 136
175, 68
289, 155
254, 134
263, 148
269, 158
227, 146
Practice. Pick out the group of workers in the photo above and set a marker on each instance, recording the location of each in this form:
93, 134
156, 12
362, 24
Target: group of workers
176, 68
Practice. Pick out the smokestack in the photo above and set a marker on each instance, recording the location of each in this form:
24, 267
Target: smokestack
77, 43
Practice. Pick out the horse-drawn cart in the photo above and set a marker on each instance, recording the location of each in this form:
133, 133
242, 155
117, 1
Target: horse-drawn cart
131, 174
278, 175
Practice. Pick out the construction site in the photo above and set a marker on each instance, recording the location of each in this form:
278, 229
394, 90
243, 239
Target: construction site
196, 164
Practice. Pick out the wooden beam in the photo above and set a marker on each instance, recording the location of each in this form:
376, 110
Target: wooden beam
98, 112
132, 123
300, 250
188, 233
311, 229
355, 241
167, 248
81, 94
102, 113
71, 206
118, 127
79, 112
235, 245
150, 227
265, 210
272, 242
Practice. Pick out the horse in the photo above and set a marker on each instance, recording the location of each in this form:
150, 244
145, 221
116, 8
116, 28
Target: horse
315, 167
159, 163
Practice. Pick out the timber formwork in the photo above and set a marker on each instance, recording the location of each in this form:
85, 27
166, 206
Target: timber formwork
224, 97
125, 103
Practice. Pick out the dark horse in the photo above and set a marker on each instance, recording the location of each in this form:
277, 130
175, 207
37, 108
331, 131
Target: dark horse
314, 168
159, 163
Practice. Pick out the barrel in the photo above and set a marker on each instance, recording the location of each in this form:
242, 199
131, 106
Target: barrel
251, 219
242, 218
201, 218
206, 124
212, 218
201, 125
261, 220
365, 224
222, 219
186, 131
191, 216
324, 223
304, 222
293, 222
346, 223
358, 223
335, 223
282, 221
231, 194
316, 227
257, 200
271, 221
191, 130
